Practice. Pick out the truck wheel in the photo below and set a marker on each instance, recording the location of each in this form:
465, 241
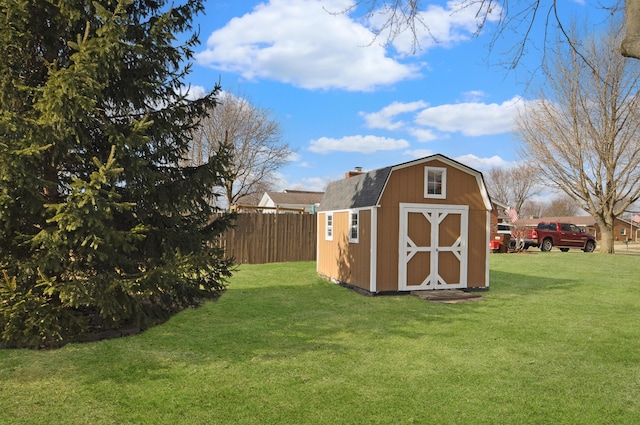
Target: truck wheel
564, 249
546, 246
589, 246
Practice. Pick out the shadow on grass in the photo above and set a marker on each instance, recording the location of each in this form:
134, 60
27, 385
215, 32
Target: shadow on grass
272, 325
507, 283
286, 322
297, 314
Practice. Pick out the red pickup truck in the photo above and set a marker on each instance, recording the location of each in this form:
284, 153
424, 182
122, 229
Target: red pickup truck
547, 235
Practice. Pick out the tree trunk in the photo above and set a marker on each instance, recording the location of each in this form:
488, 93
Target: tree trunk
50, 184
231, 197
631, 44
606, 240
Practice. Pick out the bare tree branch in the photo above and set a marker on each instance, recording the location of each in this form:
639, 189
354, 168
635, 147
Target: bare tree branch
512, 186
518, 19
252, 137
584, 132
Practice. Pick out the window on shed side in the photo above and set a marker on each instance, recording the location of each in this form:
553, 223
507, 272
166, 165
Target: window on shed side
328, 235
354, 227
435, 182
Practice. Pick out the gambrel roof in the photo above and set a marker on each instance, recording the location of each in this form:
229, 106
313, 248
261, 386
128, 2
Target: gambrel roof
365, 190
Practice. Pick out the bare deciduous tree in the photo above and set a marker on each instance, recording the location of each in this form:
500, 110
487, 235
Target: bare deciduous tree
561, 206
584, 132
252, 138
533, 209
512, 186
516, 17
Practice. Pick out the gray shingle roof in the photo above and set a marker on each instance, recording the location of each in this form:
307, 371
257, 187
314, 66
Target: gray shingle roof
360, 191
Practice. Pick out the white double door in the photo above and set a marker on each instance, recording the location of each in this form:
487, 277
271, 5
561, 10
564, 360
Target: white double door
433, 246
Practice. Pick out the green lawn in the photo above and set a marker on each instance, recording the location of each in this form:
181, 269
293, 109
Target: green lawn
556, 342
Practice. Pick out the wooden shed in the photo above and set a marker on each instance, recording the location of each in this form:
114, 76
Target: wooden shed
419, 225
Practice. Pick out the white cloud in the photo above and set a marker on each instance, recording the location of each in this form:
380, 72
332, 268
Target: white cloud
472, 118
483, 164
385, 117
293, 157
192, 92
470, 160
425, 135
299, 42
315, 184
361, 144
419, 153
473, 95
196, 92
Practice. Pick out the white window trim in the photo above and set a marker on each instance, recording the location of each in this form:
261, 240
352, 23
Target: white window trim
357, 226
328, 231
443, 194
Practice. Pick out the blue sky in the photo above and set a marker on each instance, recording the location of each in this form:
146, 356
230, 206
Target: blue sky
345, 102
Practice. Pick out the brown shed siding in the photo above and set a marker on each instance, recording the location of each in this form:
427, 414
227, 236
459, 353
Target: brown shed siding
343, 260
462, 189
327, 257
387, 249
404, 191
478, 249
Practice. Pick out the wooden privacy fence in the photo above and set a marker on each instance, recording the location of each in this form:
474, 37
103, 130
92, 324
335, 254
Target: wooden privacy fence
270, 238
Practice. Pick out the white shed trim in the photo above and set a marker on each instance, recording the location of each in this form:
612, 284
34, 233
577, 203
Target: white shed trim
373, 252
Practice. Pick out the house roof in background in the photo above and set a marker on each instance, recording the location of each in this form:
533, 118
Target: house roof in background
295, 197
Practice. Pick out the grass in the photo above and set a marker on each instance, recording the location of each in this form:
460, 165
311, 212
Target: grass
556, 342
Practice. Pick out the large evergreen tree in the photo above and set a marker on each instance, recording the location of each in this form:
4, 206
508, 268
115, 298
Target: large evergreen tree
100, 226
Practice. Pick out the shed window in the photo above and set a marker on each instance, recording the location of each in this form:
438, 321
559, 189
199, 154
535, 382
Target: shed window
435, 182
354, 227
328, 235
623, 231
